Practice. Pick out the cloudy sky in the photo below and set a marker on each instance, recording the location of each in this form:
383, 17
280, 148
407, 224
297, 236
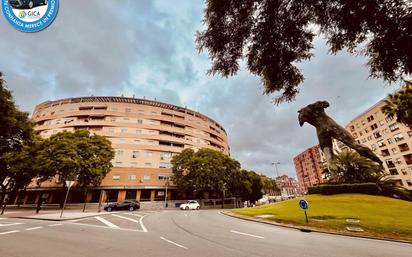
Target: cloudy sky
146, 48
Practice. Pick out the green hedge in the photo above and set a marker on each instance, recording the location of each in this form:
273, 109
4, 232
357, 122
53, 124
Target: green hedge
361, 188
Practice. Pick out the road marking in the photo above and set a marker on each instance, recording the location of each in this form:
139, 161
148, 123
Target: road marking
246, 234
33, 228
126, 218
142, 225
106, 222
9, 232
55, 225
9, 224
171, 242
105, 227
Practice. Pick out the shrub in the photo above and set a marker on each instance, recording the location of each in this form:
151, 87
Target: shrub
360, 188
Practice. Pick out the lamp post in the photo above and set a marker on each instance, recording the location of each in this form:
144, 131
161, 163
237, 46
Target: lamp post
276, 167
167, 183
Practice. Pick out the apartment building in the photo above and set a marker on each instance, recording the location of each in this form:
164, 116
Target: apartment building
145, 135
308, 167
388, 139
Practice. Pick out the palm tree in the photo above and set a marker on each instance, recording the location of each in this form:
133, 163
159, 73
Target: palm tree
399, 105
353, 168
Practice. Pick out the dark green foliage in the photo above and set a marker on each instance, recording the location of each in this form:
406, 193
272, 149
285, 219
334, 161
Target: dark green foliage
206, 170
272, 36
399, 105
76, 156
360, 188
353, 168
16, 141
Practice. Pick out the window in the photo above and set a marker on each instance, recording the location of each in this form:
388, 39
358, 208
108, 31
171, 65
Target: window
140, 121
410, 133
124, 130
403, 147
149, 154
163, 176
122, 140
389, 119
398, 161
363, 140
352, 128
120, 152
125, 118
394, 126
381, 122
116, 177
112, 118
137, 141
381, 143
393, 172
133, 164
377, 134
366, 130
146, 177
394, 150
390, 141
390, 163
128, 110
374, 126
370, 118
363, 122
131, 177
409, 182
360, 133
164, 165
135, 154
165, 155
404, 172
114, 109
147, 163
369, 138
138, 131
398, 137
385, 152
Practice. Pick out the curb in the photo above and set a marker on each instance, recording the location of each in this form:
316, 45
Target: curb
309, 229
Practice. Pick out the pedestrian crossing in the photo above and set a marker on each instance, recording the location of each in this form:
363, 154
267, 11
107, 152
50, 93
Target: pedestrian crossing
132, 221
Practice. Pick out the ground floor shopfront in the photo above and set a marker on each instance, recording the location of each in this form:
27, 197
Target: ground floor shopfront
94, 195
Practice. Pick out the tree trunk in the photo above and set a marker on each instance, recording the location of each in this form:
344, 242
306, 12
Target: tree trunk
3, 200
223, 199
85, 199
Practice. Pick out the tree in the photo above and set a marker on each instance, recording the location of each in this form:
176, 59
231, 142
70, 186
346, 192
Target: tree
353, 168
399, 105
16, 134
269, 185
274, 35
77, 156
203, 171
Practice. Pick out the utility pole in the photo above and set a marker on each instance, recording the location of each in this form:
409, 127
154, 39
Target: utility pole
276, 168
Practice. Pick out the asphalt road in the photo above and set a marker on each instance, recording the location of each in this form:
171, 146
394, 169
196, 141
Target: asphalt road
178, 233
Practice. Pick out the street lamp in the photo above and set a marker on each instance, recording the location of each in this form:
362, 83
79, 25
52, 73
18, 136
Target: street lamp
167, 183
276, 167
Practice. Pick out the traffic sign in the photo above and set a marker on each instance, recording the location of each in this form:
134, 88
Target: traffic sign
303, 204
69, 183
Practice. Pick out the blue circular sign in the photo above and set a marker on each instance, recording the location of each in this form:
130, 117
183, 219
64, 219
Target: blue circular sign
30, 15
303, 204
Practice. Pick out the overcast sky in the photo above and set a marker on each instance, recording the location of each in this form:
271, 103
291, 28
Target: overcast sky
146, 48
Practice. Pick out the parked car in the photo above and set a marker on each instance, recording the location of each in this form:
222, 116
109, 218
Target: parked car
26, 4
190, 205
126, 205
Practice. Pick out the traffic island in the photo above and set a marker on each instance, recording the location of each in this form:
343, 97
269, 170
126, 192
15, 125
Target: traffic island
345, 214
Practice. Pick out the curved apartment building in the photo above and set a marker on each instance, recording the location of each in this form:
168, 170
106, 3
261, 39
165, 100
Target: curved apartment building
145, 135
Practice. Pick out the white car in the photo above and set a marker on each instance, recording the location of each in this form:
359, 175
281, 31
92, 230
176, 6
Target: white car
190, 205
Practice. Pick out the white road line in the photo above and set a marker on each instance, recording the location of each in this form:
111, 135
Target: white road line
126, 218
9, 232
142, 225
171, 242
105, 227
9, 224
33, 228
55, 225
246, 234
106, 222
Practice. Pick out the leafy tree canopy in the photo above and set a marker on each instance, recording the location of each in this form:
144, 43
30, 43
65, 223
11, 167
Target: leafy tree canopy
76, 156
274, 35
399, 105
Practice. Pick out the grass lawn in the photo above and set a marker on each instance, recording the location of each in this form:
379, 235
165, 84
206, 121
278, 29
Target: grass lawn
379, 216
